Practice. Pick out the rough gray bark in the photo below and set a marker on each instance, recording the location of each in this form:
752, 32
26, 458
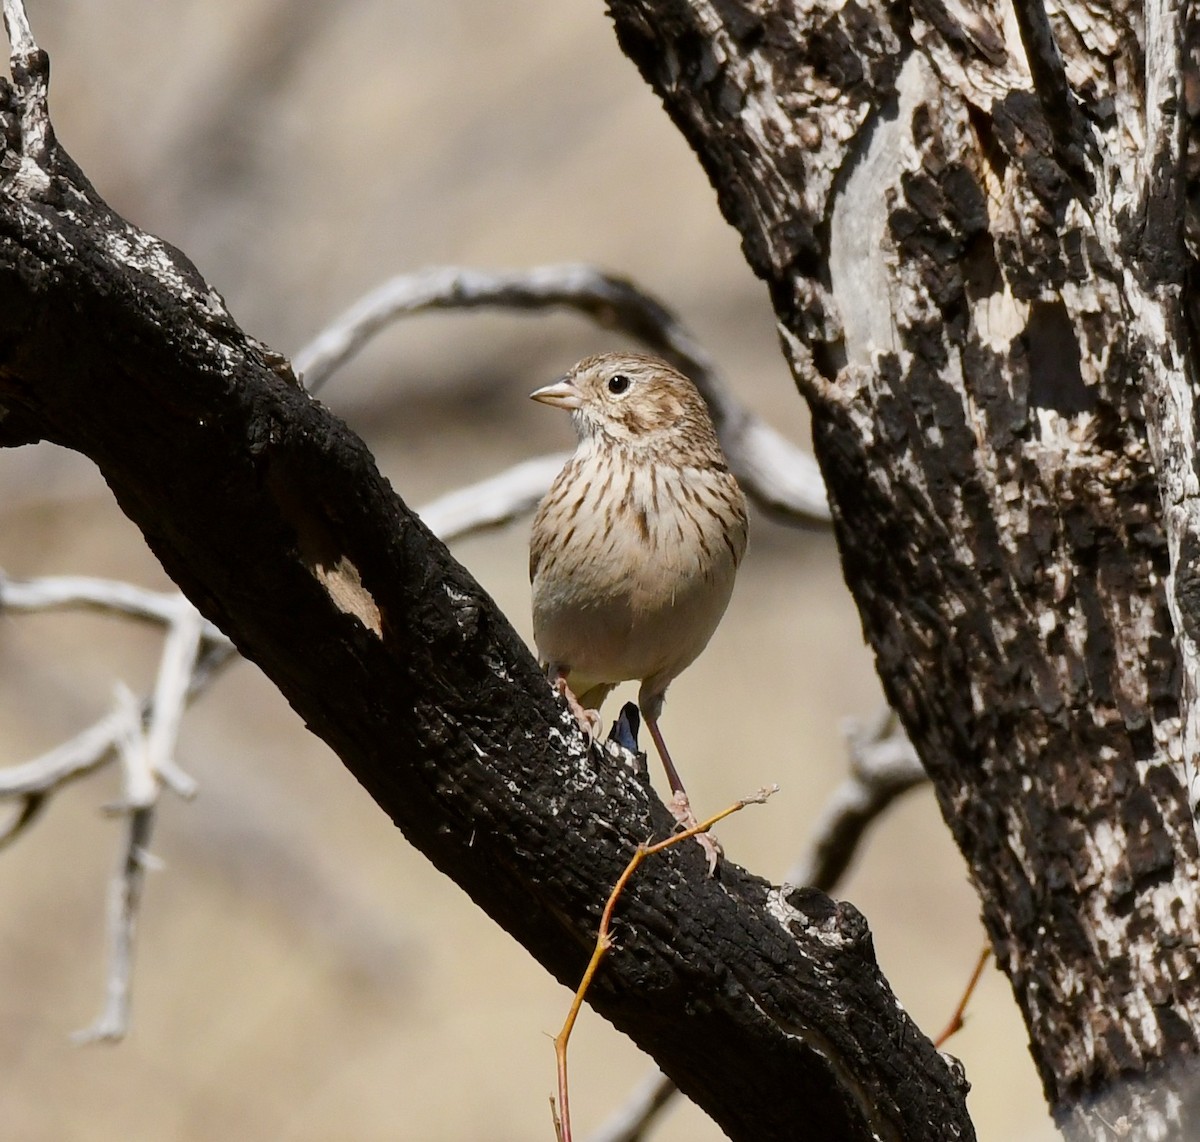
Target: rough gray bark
971, 219
764, 1005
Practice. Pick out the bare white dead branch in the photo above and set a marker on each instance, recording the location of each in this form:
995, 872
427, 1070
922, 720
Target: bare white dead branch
80, 592
146, 753
139, 788
494, 501
171, 688
883, 765
631, 1121
184, 672
33, 781
142, 734
124, 899
85, 752
781, 478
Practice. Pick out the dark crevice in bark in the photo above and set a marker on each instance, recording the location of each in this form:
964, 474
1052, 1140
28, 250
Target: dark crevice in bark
1067, 123
1053, 361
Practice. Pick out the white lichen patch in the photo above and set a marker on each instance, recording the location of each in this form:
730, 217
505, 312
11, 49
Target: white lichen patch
787, 916
778, 908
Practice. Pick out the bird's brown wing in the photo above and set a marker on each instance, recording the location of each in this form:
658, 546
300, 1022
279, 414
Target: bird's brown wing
535, 553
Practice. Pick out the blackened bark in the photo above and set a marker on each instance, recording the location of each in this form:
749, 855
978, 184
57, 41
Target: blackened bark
766, 1008
972, 231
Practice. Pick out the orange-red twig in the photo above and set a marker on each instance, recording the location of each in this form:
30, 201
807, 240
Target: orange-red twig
956, 1020
562, 1112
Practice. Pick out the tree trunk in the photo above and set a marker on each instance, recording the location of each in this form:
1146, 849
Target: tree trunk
972, 223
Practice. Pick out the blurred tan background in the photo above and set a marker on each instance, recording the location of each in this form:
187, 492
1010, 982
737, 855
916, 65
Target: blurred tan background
302, 973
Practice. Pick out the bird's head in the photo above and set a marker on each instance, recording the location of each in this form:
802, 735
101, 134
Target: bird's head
632, 399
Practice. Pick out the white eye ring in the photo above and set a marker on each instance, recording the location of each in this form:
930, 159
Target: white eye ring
618, 383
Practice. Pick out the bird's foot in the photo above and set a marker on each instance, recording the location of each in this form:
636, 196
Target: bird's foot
681, 810
589, 720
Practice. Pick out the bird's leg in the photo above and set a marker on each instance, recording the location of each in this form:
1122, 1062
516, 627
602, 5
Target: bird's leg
589, 720
680, 806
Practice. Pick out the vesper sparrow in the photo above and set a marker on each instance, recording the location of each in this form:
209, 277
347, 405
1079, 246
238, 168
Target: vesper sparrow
635, 547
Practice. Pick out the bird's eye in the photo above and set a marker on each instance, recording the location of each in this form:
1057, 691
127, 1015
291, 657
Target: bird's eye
618, 383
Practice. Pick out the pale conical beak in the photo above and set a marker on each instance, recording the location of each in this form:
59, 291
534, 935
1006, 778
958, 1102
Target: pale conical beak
561, 394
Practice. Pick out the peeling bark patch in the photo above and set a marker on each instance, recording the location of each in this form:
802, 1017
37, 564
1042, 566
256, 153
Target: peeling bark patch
343, 584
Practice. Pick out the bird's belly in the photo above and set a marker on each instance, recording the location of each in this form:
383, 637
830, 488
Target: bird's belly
649, 623
633, 580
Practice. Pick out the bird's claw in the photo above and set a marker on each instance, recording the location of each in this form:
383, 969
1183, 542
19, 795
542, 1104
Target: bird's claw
589, 720
681, 810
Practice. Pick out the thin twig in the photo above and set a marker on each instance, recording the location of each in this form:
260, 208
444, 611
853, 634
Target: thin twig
562, 1114
97, 745
81, 755
143, 735
139, 787
782, 479
883, 765
958, 1018
632, 1120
